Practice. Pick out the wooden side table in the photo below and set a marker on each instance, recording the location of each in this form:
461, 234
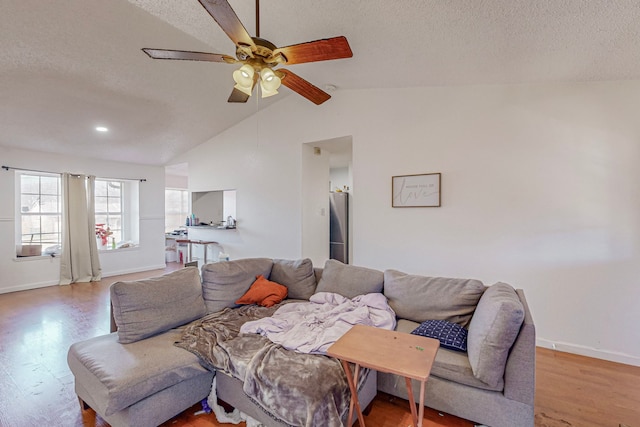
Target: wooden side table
410, 356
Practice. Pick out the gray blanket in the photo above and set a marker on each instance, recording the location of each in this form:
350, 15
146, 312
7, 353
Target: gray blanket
298, 389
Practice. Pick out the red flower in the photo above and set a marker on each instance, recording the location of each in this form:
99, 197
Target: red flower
103, 233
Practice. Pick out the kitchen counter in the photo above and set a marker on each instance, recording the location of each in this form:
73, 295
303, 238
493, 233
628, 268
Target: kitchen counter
211, 227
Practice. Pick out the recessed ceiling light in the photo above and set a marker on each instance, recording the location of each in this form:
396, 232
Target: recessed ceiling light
102, 129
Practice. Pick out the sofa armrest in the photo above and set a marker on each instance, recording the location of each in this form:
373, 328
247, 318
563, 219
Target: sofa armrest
520, 369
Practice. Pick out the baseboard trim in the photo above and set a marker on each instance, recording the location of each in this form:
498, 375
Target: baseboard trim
133, 270
29, 286
612, 356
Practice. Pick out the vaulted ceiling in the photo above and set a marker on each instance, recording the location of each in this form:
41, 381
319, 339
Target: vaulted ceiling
67, 66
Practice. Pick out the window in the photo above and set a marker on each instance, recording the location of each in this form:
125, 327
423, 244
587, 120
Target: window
176, 208
109, 211
116, 213
40, 212
39, 219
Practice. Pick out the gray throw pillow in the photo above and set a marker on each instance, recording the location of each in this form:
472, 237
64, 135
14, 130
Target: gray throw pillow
492, 331
143, 308
296, 275
223, 283
349, 280
420, 298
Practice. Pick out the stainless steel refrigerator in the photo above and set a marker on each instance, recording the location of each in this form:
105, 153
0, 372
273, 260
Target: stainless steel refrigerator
339, 227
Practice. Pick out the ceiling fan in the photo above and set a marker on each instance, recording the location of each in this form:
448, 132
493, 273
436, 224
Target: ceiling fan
260, 57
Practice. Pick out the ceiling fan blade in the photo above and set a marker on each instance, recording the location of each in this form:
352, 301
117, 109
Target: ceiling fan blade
223, 14
319, 50
303, 87
188, 56
238, 96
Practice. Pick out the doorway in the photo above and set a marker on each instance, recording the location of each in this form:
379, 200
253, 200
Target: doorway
326, 167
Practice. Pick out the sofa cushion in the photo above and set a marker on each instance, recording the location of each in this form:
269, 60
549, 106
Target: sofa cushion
451, 335
349, 280
297, 275
492, 331
117, 375
420, 298
264, 292
223, 283
143, 308
448, 364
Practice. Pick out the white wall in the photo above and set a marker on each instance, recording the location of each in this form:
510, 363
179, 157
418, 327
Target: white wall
266, 176
176, 181
540, 189
315, 214
28, 273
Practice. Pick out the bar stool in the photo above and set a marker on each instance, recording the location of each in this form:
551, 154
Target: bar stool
186, 242
206, 244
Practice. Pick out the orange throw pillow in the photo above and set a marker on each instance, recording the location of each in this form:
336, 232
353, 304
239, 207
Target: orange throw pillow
264, 292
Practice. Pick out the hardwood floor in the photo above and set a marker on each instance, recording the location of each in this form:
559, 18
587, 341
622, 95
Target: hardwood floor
36, 386
574, 390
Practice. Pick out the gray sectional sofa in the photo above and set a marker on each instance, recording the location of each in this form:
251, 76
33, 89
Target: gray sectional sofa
138, 377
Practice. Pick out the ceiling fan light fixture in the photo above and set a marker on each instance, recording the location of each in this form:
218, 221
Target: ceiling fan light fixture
269, 82
244, 89
244, 78
266, 92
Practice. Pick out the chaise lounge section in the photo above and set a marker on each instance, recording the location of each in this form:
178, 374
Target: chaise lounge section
136, 376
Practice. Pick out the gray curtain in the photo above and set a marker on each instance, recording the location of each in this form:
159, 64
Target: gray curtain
79, 260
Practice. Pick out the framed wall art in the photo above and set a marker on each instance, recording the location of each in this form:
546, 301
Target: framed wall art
415, 191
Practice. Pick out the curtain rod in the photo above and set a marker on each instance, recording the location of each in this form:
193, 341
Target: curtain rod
60, 173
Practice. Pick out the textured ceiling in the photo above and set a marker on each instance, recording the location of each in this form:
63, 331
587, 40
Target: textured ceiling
69, 65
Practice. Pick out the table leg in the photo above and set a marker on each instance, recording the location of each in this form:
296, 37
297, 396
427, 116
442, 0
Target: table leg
421, 409
412, 402
352, 400
353, 380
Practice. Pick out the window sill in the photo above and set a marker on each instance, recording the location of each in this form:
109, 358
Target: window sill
33, 258
109, 250
43, 257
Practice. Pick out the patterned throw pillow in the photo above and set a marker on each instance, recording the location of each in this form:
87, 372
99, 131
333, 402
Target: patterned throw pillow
451, 335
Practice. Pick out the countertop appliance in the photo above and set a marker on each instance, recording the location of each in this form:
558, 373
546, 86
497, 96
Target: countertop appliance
339, 226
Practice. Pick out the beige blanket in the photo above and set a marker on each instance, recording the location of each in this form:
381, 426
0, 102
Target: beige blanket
294, 388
